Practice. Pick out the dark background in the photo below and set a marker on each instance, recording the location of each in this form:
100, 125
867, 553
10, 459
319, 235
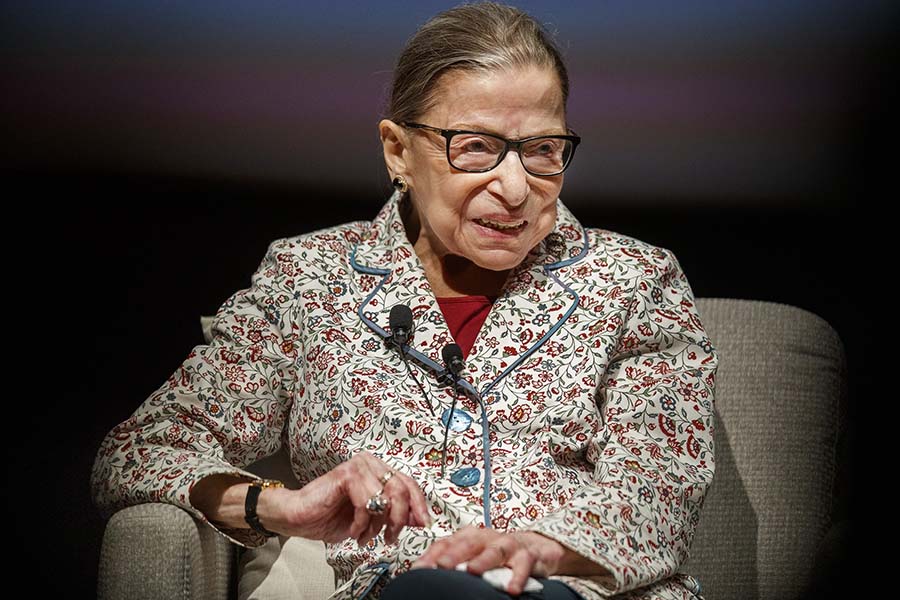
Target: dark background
151, 153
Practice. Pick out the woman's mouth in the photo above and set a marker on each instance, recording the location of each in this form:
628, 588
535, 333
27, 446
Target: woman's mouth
508, 226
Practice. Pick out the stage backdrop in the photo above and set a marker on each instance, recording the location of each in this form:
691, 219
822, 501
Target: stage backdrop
744, 100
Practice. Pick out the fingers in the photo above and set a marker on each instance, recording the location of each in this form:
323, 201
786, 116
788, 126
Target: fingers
376, 523
366, 524
399, 511
482, 550
428, 560
462, 546
405, 489
417, 503
496, 554
521, 563
361, 483
366, 478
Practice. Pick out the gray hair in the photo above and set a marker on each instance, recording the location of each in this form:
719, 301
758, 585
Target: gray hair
474, 37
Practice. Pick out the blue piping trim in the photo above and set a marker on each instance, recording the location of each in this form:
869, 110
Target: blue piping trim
486, 445
440, 373
380, 569
547, 271
364, 268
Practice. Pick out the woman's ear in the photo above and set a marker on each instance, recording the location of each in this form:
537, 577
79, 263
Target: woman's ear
394, 143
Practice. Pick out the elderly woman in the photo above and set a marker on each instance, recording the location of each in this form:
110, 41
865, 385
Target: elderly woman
573, 446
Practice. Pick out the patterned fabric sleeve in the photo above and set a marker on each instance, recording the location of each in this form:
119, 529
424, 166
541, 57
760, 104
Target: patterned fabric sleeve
224, 408
653, 454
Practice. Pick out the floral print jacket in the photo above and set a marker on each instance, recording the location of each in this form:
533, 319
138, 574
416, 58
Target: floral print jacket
596, 377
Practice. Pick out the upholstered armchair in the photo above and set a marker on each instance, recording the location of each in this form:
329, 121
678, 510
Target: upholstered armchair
780, 397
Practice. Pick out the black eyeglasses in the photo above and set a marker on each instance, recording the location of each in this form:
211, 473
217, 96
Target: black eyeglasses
477, 152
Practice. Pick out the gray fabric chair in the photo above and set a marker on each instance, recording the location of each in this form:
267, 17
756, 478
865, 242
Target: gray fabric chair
780, 396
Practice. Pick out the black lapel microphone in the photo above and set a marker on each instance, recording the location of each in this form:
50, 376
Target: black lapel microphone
453, 361
401, 325
401, 321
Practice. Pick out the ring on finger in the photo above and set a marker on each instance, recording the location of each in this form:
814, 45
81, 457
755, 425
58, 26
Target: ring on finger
377, 504
386, 476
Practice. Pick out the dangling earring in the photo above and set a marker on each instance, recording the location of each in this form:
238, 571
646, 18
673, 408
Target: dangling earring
400, 184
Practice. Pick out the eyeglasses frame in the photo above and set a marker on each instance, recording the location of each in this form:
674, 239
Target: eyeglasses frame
448, 134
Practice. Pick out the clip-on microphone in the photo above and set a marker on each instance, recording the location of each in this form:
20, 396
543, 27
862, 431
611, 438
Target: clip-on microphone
453, 361
401, 321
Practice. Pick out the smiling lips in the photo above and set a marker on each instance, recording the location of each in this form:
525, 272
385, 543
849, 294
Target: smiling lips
505, 226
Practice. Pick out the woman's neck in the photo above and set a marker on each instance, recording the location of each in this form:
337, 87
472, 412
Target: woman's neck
449, 275
453, 276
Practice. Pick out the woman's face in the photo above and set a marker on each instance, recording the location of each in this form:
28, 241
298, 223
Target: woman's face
495, 218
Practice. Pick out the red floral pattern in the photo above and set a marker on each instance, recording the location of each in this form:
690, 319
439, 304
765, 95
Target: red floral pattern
601, 438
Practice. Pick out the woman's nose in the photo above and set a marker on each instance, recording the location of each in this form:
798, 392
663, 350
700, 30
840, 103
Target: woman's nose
510, 180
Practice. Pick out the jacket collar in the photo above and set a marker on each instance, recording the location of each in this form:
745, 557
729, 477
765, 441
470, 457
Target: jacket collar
386, 253
385, 246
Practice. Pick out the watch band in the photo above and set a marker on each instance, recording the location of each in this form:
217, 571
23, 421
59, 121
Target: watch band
253, 492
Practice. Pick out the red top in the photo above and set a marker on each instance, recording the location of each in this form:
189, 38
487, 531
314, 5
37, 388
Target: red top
465, 315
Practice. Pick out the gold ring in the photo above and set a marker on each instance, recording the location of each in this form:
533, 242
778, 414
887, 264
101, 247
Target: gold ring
385, 477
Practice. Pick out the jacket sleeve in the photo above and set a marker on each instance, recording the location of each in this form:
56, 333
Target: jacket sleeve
224, 408
652, 455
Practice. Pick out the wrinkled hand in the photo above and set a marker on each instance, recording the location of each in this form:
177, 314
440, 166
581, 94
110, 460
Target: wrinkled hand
525, 552
332, 507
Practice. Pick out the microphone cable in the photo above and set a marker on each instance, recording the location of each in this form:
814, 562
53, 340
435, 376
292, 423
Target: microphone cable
452, 355
447, 430
401, 320
418, 383
401, 326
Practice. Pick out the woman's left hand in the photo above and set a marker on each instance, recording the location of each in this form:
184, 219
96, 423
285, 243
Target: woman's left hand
525, 552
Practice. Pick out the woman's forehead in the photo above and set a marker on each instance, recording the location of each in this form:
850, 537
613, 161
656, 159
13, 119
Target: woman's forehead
529, 97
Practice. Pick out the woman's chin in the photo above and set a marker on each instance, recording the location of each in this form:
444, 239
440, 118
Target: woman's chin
498, 260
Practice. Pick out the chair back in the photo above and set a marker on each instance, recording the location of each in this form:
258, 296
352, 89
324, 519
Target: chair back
780, 393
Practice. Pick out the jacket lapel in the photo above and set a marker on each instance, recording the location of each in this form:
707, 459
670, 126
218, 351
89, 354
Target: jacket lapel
535, 301
398, 277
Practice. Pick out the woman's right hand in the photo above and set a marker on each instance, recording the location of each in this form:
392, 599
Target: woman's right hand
331, 508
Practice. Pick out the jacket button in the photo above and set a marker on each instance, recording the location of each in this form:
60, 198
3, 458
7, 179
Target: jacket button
466, 477
459, 421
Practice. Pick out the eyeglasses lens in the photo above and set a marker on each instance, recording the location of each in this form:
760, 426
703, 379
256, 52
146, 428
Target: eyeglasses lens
480, 152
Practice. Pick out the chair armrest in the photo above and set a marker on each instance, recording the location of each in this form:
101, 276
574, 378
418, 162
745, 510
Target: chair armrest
160, 551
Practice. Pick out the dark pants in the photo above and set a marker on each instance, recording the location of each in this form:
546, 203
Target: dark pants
445, 584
